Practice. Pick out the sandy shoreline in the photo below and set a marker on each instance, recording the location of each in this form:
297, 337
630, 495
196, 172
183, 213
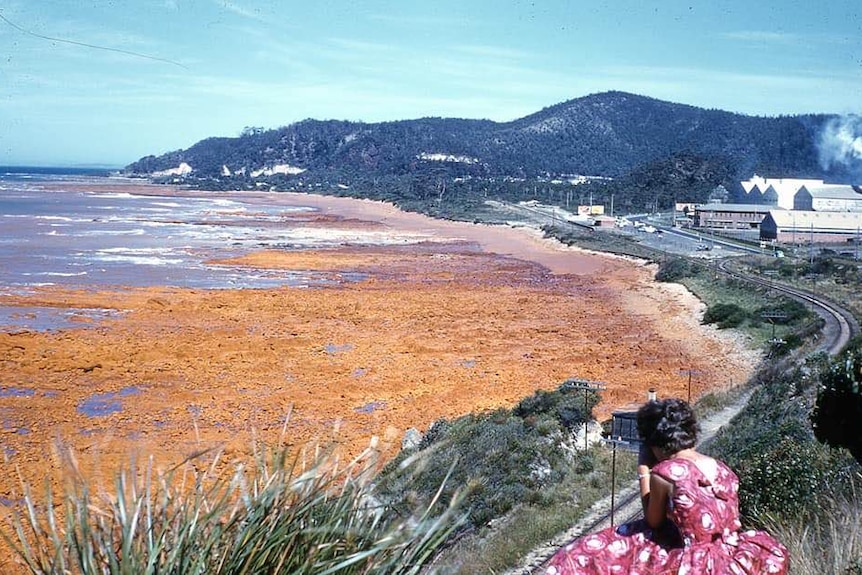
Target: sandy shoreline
477, 318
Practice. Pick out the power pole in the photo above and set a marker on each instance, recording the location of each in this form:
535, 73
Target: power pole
689, 372
587, 386
614, 443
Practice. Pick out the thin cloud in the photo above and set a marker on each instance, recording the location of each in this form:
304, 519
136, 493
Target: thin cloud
123, 51
432, 21
772, 37
360, 45
489, 51
240, 10
760, 36
80, 35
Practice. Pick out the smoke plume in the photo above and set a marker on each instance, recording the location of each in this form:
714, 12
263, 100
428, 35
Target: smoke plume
840, 144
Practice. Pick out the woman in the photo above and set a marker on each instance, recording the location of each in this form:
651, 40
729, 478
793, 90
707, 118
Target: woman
691, 514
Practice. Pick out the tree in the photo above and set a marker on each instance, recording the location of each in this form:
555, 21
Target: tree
837, 415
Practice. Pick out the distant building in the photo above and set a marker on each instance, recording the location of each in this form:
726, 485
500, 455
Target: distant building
604, 221
730, 216
803, 227
828, 198
787, 210
783, 190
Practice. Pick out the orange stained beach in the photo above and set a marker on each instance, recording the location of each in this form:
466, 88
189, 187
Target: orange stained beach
473, 319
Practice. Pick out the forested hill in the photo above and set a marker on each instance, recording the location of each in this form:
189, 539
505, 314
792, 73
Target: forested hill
613, 134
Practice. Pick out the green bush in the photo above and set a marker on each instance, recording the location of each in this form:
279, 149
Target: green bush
792, 310
790, 342
785, 478
569, 406
725, 315
837, 415
770, 444
503, 458
675, 268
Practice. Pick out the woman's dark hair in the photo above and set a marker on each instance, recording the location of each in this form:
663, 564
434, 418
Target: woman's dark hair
668, 424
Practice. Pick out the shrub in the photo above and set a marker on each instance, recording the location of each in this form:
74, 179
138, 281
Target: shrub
675, 268
568, 405
837, 415
781, 466
725, 315
785, 478
502, 461
503, 457
790, 342
792, 311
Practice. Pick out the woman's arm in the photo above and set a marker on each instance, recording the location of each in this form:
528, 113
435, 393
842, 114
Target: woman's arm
646, 459
655, 490
655, 501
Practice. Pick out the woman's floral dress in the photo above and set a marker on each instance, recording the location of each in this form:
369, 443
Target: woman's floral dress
703, 536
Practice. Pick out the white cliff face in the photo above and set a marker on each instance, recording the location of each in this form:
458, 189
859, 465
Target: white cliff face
286, 169
182, 170
436, 157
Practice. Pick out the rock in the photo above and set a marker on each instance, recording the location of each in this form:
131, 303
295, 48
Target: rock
593, 429
412, 439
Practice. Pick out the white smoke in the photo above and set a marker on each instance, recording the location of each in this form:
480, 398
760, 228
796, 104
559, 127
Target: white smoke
840, 144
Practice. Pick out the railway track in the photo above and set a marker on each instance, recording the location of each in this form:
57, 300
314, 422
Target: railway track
840, 326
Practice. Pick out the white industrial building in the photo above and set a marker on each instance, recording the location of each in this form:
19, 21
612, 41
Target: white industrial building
828, 198
789, 210
804, 227
757, 190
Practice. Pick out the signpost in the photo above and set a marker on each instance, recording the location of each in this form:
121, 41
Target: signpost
772, 316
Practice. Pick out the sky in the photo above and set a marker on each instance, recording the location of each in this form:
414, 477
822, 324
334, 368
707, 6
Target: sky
105, 82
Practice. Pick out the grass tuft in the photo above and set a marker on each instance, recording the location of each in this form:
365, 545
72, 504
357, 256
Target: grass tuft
281, 513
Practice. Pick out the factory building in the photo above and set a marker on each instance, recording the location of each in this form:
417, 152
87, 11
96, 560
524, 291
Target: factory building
809, 227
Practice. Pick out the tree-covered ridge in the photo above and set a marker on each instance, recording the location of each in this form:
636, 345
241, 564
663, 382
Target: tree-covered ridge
607, 134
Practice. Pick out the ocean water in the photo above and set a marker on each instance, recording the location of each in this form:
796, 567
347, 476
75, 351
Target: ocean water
114, 238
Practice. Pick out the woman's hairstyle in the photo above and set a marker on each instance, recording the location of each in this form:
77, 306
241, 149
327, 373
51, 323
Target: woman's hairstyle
668, 424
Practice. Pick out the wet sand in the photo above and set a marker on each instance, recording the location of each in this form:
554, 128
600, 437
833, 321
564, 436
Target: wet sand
476, 319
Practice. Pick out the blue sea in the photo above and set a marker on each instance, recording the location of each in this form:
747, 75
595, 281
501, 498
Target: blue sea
53, 236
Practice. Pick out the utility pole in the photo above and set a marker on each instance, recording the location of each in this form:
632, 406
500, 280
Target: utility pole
811, 245
689, 372
587, 386
614, 443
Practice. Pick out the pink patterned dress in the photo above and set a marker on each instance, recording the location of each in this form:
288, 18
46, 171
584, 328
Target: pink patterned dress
708, 541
